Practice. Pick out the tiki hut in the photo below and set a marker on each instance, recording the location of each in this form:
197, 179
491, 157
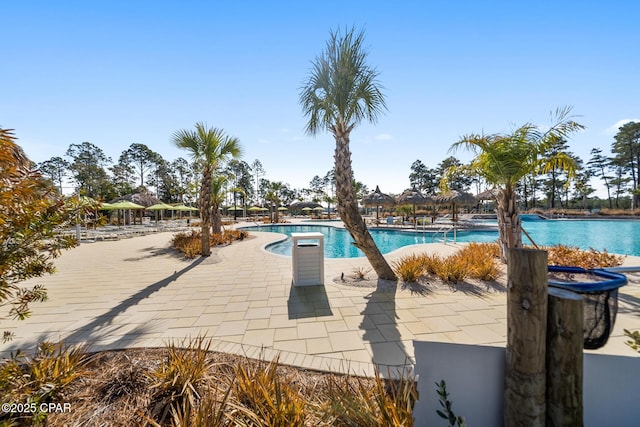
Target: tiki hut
377, 199
455, 197
414, 197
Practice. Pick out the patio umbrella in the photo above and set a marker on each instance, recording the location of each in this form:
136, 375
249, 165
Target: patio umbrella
456, 197
282, 208
414, 197
377, 199
254, 209
125, 205
306, 209
159, 207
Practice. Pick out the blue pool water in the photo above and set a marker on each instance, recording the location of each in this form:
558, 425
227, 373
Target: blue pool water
620, 237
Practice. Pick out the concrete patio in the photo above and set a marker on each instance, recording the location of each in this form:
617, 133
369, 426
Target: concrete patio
137, 293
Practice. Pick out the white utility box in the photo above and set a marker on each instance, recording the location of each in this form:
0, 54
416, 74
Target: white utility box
308, 259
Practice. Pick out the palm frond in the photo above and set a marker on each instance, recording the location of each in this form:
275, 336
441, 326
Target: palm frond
341, 89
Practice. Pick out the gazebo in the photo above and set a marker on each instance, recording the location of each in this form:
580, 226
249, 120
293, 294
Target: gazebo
414, 197
456, 197
377, 199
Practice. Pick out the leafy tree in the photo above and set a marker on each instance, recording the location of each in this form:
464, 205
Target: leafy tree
598, 165
87, 166
184, 174
141, 159
505, 159
422, 178
620, 181
56, 169
209, 147
458, 177
31, 212
122, 178
258, 171
341, 91
239, 173
317, 188
555, 181
627, 155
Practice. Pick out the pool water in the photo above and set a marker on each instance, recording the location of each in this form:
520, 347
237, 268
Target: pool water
615, 236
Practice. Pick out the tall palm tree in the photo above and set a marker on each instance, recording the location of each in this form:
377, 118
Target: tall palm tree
341, 91
505, 159
208, 147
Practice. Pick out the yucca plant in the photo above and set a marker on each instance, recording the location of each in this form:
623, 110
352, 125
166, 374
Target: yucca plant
266, 399
356, 401
42, 378
182, 379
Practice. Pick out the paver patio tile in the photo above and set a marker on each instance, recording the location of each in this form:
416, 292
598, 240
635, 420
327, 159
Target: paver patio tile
345, 341
318, 345
259, 337
257, 313
311, 330
336, 326
232, 328
295, 346
258, 324
286, 334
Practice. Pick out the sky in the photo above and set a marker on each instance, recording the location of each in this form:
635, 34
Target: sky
121, 72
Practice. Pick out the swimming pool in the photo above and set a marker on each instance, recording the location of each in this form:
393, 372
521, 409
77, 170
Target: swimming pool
616, 236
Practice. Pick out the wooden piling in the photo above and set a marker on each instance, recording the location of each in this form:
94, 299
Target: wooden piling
565, 341
525, 373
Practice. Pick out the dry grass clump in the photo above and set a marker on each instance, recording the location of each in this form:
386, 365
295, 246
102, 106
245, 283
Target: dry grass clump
476, 260
190, 243
192, 386
573, 257
410, 267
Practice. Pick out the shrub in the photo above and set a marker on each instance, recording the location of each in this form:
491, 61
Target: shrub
574, 257
360, 273
190, 243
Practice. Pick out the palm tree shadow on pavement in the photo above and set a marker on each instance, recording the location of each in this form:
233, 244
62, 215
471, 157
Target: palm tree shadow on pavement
380, 325
102, 327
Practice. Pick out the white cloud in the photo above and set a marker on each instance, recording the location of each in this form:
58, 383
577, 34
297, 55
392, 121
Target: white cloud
384, 137
263, 141
613, 129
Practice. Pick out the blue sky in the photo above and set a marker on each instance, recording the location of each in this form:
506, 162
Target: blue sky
118, 72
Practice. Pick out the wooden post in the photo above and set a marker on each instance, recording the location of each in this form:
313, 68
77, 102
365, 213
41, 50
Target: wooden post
525, 376
565, 341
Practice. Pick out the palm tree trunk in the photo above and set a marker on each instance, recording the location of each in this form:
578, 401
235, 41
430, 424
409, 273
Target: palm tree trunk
217, 219
509, 225
205, 210
348, 209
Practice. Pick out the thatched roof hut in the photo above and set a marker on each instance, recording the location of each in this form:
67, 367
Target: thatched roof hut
142, 197
377, 199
